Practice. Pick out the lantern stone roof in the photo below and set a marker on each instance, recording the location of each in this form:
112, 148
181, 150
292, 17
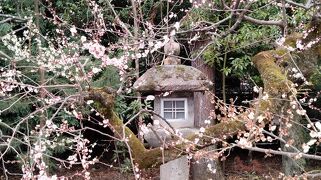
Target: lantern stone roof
172, 78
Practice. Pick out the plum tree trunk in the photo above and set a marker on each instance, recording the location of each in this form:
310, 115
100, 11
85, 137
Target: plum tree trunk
276, 84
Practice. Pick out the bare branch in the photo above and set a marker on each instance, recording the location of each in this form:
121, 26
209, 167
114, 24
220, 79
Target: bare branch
211, 27
263, 22
283, 153
5, 55
121, 23
13, 17
5, 20
306, 6
239, 20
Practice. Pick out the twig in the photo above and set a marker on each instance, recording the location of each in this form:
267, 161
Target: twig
283, 153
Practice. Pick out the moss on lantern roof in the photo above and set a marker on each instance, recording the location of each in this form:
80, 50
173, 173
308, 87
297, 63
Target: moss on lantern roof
172, 78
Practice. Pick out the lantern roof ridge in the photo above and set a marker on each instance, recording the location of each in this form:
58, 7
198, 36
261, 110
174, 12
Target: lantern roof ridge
172, 78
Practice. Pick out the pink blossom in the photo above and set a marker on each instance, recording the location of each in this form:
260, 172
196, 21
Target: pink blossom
73, 30
96, 49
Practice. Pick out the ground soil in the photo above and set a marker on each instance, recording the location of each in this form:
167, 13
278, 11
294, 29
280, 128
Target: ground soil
238, 165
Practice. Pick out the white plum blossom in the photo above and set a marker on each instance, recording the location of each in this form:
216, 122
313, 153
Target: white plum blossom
96, 49
83, 39
243, 142
294, 70
309, 126
269, 139
210, 168
318, 125
89, 102
293, 104
177, 25
251, 115
144, 129
301, 111
150, 98
96, 70
166, 39
298, 76
166, 94
172, 33
299, 45
172, 15
53, 100
265, 97
273, 128
159, 44
305, 148
311, 142
120, 62
45, 177
87, 175
207, 121
280, 41
156, 122
77, 115
73, 30
105, 122
314, 134
260, 118
194, 38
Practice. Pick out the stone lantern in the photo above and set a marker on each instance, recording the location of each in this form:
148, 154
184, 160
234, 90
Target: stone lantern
173, 86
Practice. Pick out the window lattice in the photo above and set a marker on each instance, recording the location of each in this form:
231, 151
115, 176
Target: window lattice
174, 109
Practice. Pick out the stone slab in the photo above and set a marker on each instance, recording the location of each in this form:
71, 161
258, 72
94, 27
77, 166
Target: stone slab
206, 169
177, 169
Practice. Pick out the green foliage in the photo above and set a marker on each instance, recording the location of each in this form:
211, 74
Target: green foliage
241, 45
108, 77
300, 17
316, 79
61, 146
133, 108
121, 156
5, 28
73, 11
20, 108
147, 7
241, 64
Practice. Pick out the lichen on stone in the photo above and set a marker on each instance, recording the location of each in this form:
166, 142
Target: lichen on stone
172, 78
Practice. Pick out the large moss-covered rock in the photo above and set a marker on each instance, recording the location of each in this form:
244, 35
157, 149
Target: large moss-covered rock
172, 78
